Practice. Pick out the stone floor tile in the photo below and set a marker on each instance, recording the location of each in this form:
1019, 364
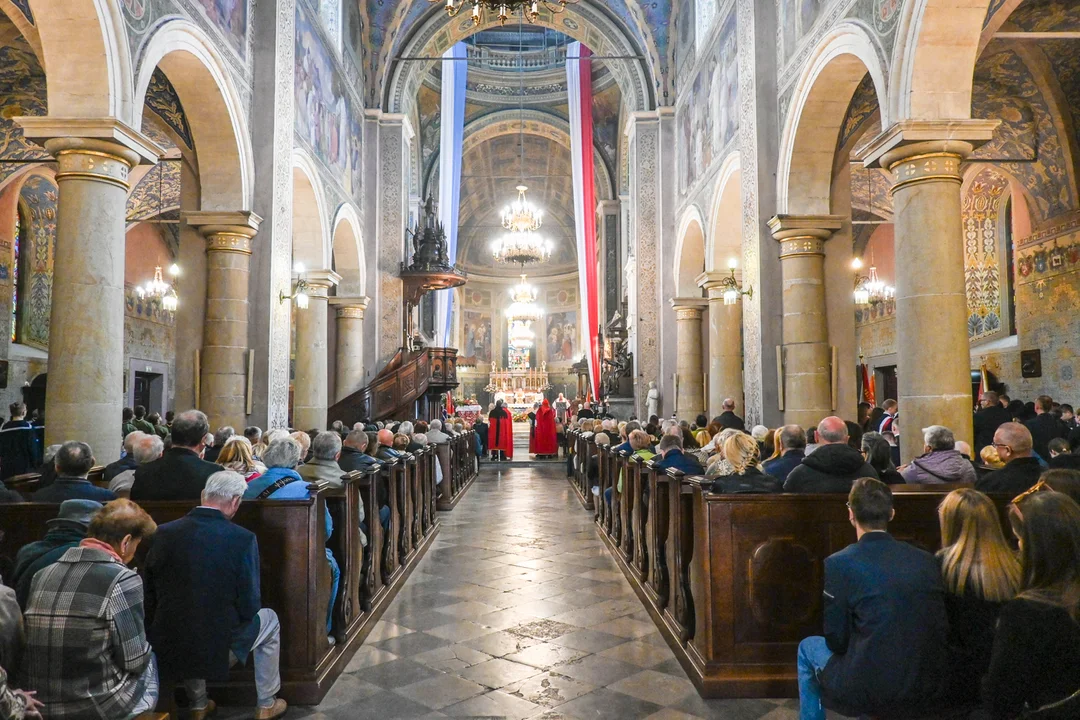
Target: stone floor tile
543, 629
637, 653
546, 655
498, 672
413, 643
398, 673
507, 618
384, 630
669, 714
460, 631
451, 658
549, 689
438, 692
467, 610
386, 705
597, 670
606, 704
347, 690
626, 627
368, 656
590, 641
495, 704
501, 643
655, 687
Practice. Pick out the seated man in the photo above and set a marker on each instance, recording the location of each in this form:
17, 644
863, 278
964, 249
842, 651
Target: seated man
324, 468
940, 462
127, 462
793, 450
1022, 469
435, 433
140, 422
145, 449
222, 435
160, 428
672, 456
64, 531
86, 650
833, 466
353, 455
73, 463
180, 473
884, 647
203, 602
282, 482
386, 450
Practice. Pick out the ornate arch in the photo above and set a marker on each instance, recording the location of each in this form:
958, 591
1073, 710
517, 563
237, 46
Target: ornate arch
311, 241
348, 250
726, 204
690, 257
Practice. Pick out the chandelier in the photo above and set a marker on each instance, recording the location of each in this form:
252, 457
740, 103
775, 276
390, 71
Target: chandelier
870, 290
520, 215
521, 248
524, 307
503, 9
521, 335
158, 289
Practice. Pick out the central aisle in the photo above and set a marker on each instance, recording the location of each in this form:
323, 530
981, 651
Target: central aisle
517, 611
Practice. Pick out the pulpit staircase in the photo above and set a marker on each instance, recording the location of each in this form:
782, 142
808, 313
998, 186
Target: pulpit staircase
406, 388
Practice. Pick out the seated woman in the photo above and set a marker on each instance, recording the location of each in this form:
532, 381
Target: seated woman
1036, 656
878, 454
744, 454
401, 442
282, 482
717, 464
237, 455
980, 573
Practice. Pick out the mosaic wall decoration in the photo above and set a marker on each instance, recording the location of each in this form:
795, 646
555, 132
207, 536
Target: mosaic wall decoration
863, 107
38, 246
23, 6
984, 203
22, 92
230, 16
1005, 87
163, 101
1044, 15
995, 5
707, 116
157, 195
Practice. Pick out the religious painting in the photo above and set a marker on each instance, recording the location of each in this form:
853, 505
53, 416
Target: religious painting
322, 112
684, 36
561, 330
230, 16
724, 90
476, 345
38, 198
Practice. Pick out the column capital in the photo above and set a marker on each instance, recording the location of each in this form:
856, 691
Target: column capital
714, 282
105, 135
688, 308
225, 231
350, 307
800, 235
912, 140
319, 282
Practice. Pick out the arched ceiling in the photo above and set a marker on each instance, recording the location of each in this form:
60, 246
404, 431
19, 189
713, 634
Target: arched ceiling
490, 172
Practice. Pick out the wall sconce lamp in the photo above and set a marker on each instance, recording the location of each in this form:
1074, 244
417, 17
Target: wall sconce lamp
299, 295
732, 289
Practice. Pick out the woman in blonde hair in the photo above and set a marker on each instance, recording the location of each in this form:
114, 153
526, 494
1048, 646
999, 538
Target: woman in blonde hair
236, 455
980, 573
744, 454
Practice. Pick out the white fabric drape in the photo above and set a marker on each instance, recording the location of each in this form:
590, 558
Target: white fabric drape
454, 73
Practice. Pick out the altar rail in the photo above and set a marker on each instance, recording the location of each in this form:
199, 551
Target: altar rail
733, 582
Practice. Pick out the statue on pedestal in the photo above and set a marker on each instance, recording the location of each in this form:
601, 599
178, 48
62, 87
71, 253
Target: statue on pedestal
652, 400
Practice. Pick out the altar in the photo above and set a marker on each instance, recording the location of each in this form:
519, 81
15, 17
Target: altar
519, 388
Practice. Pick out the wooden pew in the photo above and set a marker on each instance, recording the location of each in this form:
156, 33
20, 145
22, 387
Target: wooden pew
27, 483
734, 582
584, 452
457, 458
296, 577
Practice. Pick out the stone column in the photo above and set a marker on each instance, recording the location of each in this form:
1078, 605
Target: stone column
223, 375
807, 356
690, 396
86, 349
309, 383
933, 353
725, 345
349, 376
645, 229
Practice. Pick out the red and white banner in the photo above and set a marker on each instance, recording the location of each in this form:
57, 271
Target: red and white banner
579, 87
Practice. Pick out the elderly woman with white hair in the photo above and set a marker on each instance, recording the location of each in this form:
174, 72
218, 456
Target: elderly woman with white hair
282, 482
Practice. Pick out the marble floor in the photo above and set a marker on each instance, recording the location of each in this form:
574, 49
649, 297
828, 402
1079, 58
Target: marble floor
517, 611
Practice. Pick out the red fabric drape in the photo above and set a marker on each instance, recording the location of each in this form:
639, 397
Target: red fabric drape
501, 431
543, 441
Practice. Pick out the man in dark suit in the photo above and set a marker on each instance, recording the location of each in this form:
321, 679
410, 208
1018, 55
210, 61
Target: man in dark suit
793, 444
1044, 427
728, 419
180, 473
202, 601
990, 416
353, 455
220, 438
1013, 443
884, 619
128, 461
672, 456
73, 463
833, 466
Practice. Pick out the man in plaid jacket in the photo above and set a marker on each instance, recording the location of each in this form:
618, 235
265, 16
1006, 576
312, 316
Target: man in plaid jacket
87, 655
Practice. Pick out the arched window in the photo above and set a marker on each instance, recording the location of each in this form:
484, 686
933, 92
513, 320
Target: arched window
330, 10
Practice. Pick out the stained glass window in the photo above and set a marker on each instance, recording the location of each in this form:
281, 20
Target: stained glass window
15, 279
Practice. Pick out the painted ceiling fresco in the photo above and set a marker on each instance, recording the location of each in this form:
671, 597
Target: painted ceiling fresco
390, 22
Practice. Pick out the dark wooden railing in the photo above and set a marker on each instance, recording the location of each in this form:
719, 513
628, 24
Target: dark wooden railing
399, 389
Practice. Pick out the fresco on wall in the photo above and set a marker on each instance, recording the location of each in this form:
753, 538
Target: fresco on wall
606, 106
476, 338
230, 16
22, 92
561, 334
982, 218
323, 117
797, 17
38, 197
684, 36
708, 116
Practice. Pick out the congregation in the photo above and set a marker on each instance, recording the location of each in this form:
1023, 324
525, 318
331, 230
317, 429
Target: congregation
84, 635
986, 628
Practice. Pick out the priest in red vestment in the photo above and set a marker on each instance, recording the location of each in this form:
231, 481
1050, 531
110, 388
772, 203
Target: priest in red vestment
543, 440
501, 432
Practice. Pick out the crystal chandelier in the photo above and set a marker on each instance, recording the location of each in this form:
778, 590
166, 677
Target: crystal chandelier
524, 307
520, 215
870, 290
521, 248
158, 289
504, 9
521, 335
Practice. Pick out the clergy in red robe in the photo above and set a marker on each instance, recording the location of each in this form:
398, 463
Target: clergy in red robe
543, 440
501, 432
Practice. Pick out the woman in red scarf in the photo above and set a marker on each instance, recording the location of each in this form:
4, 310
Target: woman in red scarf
544, 436
501, 433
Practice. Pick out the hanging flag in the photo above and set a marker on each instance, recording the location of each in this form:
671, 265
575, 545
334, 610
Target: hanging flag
579, 89
868, 385
451, 130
